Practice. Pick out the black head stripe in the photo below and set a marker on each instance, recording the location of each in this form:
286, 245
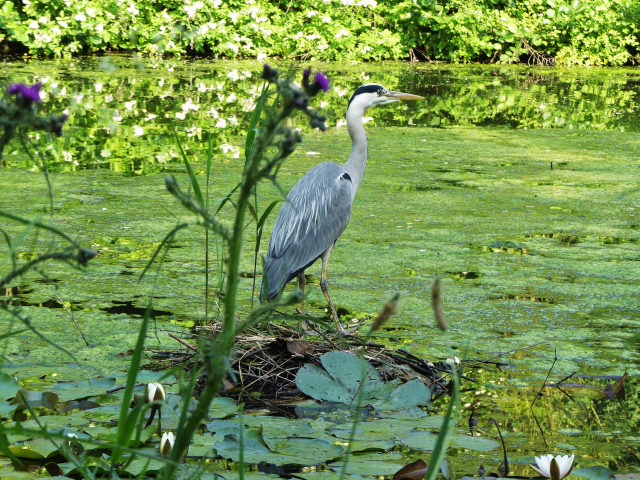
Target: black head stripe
370, 88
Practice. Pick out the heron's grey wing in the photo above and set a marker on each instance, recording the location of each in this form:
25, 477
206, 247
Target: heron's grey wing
316, 213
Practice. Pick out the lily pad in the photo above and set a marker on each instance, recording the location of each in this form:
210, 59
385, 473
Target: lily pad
7, 409
368, 467
594, 473
223, 407
478, 444
8, 386
425, 441
83, 389
340, 381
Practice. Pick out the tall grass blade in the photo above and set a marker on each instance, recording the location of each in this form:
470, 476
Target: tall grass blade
126, 421
444, 437
192, 177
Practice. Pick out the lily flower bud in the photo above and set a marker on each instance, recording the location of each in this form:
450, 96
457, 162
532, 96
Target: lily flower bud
155, 393
166, 444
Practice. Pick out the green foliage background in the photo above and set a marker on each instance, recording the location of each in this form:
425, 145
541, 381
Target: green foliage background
580, 32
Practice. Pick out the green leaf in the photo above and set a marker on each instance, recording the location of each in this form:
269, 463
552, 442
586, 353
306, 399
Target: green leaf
9, 386
192, 177
425, 441
478, 444
340, 383
594, 473
267, 211
82, 390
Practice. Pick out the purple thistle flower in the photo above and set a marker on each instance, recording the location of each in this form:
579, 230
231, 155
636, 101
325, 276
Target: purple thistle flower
28, 93
322, 82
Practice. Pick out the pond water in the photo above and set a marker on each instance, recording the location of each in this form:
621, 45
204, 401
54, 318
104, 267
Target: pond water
517, 187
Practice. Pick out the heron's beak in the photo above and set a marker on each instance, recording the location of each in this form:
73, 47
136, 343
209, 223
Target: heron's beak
402, 96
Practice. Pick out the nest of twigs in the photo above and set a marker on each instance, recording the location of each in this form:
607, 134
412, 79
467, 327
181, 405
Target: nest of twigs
266, 364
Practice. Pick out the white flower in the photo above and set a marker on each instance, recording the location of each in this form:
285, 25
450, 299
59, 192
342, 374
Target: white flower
216, 3
346, 2
99, 27
34, 25
67, 156
323, 46
342, 33
233, 75
213, 112
555, 468
324, 104
42, 19
204, 28
326, 19
91, 12
137, 131
56, 30
233, 47
366, 49
133, 10
63, 24
233, 120
154, 391
541, 107
191, 10
341, 93
368, 3
161, 82
151, 116
80, 17
233, 16
108, 98
129, 105
97, 86
181, 115
221, 123
312, 13
166, 444
261, 56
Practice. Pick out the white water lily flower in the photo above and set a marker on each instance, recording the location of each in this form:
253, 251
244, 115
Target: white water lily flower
154, 391
555, 468
166, 444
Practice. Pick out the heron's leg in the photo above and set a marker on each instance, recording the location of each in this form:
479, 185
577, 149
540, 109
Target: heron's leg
325, 289
301, 283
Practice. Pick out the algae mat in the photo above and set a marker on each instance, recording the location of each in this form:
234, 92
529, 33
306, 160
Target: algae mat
534, 234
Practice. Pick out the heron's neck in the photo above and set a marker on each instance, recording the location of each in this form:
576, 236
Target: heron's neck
358, 159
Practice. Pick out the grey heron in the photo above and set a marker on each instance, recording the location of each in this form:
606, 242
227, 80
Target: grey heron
318, 207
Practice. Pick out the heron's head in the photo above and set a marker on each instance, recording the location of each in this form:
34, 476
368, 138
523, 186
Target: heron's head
372, 94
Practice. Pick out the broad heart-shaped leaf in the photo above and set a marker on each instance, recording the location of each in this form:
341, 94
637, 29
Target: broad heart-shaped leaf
83, 389
6, 409
346, 369
8, 386
594, 473
340, 383
478, 444
421, 441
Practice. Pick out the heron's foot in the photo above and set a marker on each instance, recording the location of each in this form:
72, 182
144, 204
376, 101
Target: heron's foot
352, 330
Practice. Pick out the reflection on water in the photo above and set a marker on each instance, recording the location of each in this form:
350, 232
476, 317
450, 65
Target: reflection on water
121, 110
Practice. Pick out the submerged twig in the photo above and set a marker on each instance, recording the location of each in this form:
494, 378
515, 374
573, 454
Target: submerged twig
555, 359
71, 315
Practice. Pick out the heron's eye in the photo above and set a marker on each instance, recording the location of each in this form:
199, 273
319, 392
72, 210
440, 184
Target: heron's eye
380, 92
